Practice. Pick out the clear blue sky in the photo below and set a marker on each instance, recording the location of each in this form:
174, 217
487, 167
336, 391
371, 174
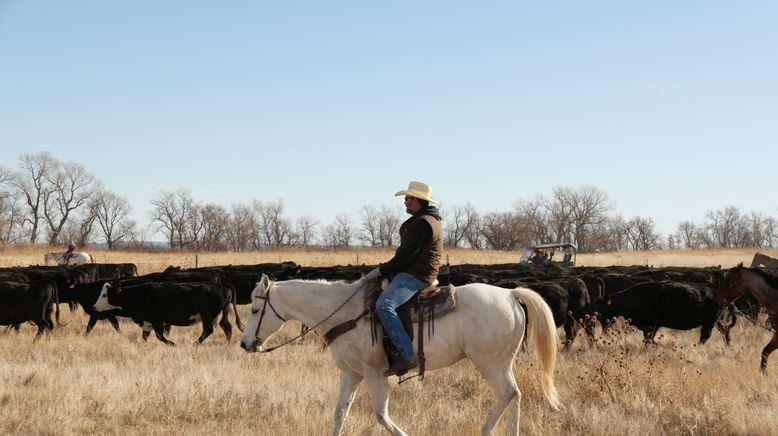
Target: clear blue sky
669, 107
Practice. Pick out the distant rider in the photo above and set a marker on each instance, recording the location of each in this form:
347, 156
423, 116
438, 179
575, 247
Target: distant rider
70, 253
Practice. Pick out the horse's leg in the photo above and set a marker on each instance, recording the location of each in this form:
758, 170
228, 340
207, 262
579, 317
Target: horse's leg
378, 386
499, 374
348, 388
769, 348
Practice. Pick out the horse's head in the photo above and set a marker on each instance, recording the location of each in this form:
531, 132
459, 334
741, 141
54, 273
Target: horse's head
264, 319
731, 288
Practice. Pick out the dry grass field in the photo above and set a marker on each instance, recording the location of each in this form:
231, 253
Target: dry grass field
109, 383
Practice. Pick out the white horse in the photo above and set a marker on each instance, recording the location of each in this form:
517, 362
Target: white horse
487, 327
79, 258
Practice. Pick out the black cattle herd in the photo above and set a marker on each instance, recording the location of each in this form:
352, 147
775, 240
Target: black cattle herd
649, 298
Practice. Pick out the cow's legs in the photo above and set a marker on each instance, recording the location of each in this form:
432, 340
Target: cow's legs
725, 323
90, 324
224, 323
207, 328
378, 386
114, 322
349, 381
159, 330
571, 330
706, 329
42, 327
769, 348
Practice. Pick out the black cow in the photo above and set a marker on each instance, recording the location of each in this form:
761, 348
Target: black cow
29, 301
651, 305
181, 304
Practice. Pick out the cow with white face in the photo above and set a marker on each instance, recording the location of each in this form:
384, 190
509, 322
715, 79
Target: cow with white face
171, 303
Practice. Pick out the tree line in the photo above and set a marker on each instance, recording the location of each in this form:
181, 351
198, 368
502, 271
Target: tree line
47, 200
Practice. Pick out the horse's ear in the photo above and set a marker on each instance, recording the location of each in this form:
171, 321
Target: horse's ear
264, 281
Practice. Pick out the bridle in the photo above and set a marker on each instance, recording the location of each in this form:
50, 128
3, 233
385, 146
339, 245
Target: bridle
267, 303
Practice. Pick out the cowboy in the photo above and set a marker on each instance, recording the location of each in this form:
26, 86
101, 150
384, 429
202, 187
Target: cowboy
70, 253
414, 267
539, 257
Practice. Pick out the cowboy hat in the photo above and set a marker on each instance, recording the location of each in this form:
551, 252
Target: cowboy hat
418, 190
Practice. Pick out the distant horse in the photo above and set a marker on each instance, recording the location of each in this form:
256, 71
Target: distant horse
764, 260
487, 327
764, 287
79, 258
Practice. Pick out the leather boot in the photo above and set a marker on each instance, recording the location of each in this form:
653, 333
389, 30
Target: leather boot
402, 366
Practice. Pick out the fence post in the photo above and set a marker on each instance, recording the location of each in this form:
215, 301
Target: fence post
197, 260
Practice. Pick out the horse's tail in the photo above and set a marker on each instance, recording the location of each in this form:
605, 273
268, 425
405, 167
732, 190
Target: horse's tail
542, 333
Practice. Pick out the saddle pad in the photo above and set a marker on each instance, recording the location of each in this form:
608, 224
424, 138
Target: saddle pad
442, 298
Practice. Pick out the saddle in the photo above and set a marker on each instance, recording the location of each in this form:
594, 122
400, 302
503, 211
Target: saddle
422, 308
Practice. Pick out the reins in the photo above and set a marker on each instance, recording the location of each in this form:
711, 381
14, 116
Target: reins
301, 335
754, 322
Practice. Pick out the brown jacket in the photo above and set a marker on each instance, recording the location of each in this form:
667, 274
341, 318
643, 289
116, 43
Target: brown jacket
421, 247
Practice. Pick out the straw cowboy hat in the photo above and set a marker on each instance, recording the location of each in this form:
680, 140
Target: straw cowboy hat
418, 190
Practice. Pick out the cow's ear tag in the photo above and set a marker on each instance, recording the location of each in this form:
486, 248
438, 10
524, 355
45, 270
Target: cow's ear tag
610, 302
119, 291
72, 285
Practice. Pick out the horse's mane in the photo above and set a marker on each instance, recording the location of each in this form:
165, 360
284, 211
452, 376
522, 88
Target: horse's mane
768, 277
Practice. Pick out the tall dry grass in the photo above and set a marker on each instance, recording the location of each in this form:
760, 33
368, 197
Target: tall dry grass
114, 383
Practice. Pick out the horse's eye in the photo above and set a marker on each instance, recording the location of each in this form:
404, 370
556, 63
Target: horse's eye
254, 311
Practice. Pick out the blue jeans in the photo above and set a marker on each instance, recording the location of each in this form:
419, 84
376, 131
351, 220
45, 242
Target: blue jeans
401, 289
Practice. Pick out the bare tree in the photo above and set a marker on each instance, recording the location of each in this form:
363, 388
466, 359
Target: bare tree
642, 233
242, 227
726, 227
760, 229
389, 221
473, 235
369, 231
614, 235
538, 214
214, 221
172, 213
274, 228
689, 235
561, 218
11, 215
461, 221
306, 230
138, 235
506, 230
31, 183
338, 234
590, 207
72, 186
110, 211
80, 228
